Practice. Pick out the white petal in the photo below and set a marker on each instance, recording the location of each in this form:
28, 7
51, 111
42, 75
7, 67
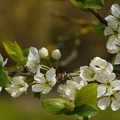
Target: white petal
101, 90
77, 79
39, 77
112, 22
115, 10
112, 45
115, 105
116, 84
98, 64
33, 54
110, 67
87, 73
16, 94
4, 62
105, 76
103, 103
70, 93
81, 84
33, 60
108, 30
37, 88
110, 18
117, 96
117, 59
109, 91
61, 89
50, 75
0, 89
71, 84
46, 90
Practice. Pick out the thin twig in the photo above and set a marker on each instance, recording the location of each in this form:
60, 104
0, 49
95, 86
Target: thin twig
98, 16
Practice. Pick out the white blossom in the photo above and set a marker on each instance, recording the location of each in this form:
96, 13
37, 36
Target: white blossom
113, 45
98, 64
56, 54
17, 87
114, 100
115, 9
44, 84
33, 62
69, 90
107, 83
87, 73
112, 27
43, 52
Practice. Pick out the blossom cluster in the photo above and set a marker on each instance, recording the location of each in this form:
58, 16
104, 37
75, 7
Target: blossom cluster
113, 29
101, 72
42, 83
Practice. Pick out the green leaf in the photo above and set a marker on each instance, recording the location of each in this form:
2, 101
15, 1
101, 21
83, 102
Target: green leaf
57, 106
85, 4
37, 95
79, 5
87, 94
4, 79
26, 52
86, 110
22, 62
94, 4
13, 50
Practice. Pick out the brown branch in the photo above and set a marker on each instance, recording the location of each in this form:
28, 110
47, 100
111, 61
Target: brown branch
59, 76
98, 16
66, 76
14, 73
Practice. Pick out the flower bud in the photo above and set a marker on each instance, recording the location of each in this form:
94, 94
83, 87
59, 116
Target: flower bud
56, 54
43, 52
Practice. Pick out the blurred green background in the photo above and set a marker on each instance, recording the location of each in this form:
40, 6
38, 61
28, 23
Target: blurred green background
30, 23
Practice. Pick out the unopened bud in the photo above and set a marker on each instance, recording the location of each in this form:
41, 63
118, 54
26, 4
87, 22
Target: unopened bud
56, 54
43, 52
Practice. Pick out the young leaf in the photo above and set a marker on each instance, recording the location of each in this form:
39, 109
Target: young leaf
86, 110
94, 4
80, 5
13, 50
87, 94
26, 52
22, 62
4, 79
57, 106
